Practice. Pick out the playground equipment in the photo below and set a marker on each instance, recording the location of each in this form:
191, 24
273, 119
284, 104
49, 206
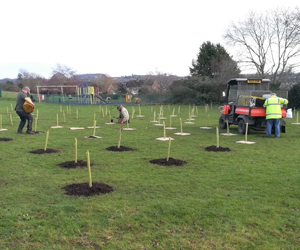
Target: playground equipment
89, 94
42, 97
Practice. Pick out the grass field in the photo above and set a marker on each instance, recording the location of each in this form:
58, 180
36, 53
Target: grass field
247, 198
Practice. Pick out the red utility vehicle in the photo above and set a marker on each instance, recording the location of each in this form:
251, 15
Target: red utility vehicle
244, 104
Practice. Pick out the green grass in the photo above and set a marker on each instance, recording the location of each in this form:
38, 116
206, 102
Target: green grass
244, 199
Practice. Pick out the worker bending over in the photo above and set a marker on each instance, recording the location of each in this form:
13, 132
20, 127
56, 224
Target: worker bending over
123, 116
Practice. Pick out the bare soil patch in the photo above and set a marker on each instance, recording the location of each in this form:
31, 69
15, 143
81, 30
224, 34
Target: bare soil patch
121, 149
83, 189
73, 164
170, 162
42, 151
215, 149
5, 139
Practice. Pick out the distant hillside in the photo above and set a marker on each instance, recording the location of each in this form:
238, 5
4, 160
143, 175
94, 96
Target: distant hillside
4, 80
89, 77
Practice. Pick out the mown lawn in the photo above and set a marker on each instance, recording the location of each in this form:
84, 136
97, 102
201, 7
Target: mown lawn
247, 198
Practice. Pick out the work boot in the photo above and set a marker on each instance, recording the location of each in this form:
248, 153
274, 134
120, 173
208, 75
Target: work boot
30, 132
19, 132
29, 127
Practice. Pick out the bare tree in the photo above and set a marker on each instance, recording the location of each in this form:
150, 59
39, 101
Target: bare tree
268, 42
30, 80
64, 70
106, 84
161, 81
62, 75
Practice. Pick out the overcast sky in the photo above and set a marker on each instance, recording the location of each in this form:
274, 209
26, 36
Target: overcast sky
115, 37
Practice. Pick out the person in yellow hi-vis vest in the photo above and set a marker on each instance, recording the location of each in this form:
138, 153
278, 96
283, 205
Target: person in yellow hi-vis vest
273, 113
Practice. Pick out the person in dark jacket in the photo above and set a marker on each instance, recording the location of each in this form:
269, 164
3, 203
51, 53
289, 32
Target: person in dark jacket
21, 98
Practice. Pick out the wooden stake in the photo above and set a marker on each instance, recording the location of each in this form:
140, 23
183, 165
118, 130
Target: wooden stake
89, 168
75, 150
94, 127
169, 149
217, 134
180, 125
227, 126
35, 124
120, 135
246, 131
47, 137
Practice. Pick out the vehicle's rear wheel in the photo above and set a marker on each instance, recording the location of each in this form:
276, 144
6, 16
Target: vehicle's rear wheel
222, 123
242, 127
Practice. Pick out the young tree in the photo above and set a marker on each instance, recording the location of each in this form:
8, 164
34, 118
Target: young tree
267, 42
211, 61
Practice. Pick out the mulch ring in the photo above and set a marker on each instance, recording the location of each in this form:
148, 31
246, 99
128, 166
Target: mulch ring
42, 151
72, 164
83, 189
5, 139
215, 149
170, 162
121, 149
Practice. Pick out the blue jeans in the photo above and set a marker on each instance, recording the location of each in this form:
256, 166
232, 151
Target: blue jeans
25, 116
276, 123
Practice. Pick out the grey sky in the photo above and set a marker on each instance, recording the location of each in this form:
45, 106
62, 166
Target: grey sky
116, 37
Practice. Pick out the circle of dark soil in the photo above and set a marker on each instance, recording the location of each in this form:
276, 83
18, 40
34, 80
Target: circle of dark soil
42, 151
215, 149
72, 164
170, 162
5, 139
83, 189
121, 149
